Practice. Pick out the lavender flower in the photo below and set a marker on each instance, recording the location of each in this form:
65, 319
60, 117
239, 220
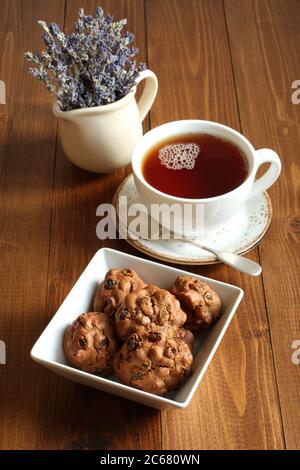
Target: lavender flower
92, 66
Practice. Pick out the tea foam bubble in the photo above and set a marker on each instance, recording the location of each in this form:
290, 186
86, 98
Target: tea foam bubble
179, 156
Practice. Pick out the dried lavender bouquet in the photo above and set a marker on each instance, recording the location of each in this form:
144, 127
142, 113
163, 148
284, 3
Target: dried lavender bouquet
92, 66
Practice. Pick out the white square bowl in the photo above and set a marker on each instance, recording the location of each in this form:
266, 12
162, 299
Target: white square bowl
48, 349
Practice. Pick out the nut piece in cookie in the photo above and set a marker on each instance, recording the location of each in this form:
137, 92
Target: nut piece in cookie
188, 337
142, 308
113, 290
201, 303
90, 343
155, 361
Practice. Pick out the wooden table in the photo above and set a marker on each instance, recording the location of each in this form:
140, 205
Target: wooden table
230, 61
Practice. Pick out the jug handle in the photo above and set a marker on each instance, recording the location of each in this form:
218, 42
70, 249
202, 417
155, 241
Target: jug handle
149, 93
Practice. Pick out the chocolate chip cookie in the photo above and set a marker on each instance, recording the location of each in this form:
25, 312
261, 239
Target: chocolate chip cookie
113, 290
200, 302
155, 361
90, 343
140, 309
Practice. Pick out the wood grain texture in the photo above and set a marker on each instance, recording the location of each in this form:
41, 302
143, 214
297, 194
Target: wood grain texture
74, 416
266, 61
236, 405
27, 149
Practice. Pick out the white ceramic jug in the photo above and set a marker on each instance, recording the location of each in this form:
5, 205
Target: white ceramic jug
101, 139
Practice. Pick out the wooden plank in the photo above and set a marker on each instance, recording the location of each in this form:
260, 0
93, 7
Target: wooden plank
236, 405
266, 61
27, 148
74, 416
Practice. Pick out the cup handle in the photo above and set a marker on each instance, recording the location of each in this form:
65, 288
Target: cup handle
149, 93
271, 175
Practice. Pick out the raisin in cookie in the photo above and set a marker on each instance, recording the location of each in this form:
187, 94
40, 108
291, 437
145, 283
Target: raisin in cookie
113, 290
90, 344
200, 302
142, 308
155, 361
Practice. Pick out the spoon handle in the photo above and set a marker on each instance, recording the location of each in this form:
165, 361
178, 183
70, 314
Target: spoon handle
245, 265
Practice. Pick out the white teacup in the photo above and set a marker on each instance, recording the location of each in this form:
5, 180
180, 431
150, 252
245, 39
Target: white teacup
216, 209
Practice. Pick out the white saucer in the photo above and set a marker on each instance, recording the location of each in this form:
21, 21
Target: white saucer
239, 235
